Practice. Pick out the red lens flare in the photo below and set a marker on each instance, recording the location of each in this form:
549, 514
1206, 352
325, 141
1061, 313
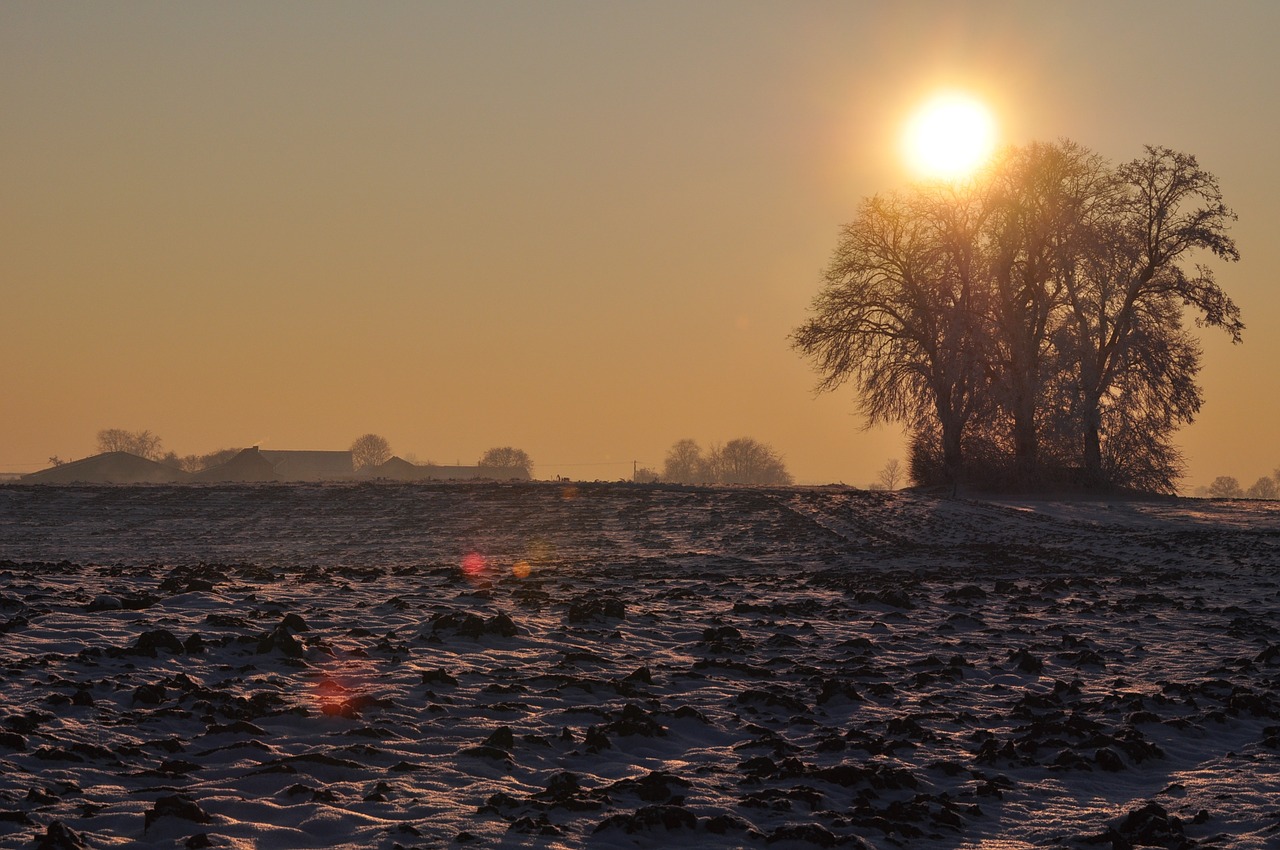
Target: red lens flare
473, 564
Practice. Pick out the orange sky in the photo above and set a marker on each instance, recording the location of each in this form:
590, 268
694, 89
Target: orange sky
581, 229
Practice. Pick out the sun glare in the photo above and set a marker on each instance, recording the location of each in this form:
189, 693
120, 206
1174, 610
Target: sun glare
950, 137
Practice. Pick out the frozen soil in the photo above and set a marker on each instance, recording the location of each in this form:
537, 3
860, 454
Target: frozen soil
538, 665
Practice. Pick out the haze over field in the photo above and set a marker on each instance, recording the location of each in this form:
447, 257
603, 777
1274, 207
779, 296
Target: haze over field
583, 230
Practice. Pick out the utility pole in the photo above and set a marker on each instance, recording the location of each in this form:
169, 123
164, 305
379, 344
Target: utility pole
634, 464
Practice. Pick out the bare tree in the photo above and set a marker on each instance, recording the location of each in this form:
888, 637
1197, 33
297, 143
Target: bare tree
896, 316
645, 475
369, 450
1264, 488
1041, 197
140, 443
747, 461
890, 475
1225, 487
1127, 289
684, 463
506, 459
1029, 325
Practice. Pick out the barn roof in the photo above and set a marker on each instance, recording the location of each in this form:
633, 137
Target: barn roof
248, 465
310, 466
109, 468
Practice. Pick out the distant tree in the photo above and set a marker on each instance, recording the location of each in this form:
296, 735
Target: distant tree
684, 464
506, 459
645, 475
56, 461
747, 461
890, 475
369, 450
140, 443
1225, 487
711, 472
740, 461
1264, 488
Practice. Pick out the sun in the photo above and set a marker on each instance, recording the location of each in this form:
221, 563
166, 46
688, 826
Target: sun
950, 137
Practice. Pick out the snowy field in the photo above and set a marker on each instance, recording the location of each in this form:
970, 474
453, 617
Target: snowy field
535, 665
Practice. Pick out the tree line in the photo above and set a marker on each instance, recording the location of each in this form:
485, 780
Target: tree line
739, 461
1027, 327
1228, 487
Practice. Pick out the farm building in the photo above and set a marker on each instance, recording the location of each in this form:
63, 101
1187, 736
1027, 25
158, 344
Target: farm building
310, 466
248, 465
108, 468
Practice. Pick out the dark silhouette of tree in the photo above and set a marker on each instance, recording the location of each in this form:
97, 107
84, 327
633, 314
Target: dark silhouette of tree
747, 461
369, 450
140, 443
740, 461
1264, 488
897, 316
1225, 487
506, 459
1040, 196
685, 464
1027, 327
1126, 290
891, 475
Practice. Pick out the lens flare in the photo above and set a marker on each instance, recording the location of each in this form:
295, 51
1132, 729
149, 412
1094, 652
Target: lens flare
473, 564
539, 551
521, 569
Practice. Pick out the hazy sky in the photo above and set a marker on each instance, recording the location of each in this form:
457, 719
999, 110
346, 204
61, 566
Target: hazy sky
581, 228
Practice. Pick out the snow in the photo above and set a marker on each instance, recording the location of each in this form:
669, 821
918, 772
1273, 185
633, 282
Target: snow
614, 666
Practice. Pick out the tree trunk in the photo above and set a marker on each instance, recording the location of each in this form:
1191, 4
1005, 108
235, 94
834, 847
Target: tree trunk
1092, 416
1025, 445
952, 459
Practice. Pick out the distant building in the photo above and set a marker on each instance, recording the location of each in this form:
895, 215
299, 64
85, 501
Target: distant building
399, 469
396, 469
109, 468
249, 465
311, 466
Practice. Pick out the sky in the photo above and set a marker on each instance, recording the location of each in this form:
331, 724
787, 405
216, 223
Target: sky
584, 229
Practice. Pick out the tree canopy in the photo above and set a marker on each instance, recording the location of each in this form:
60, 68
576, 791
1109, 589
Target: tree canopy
1027, 328
739, 461
506, 459
369, 450
140, 443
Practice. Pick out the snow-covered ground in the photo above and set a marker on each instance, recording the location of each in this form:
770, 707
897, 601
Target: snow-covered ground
537, 665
